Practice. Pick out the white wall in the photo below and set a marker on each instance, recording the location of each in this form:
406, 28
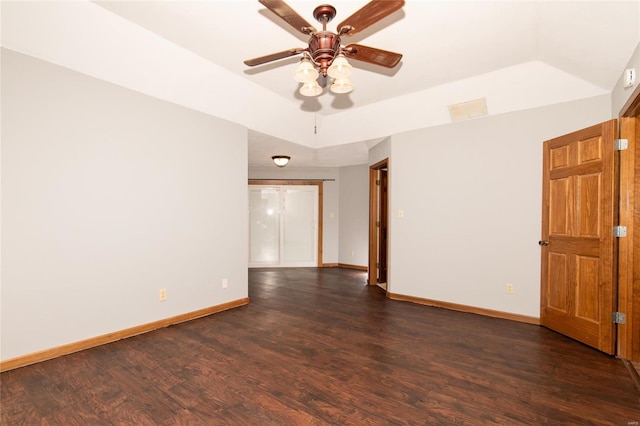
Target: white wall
331, 207
471, 195
109, 195
380, 151
354, 215
620, 95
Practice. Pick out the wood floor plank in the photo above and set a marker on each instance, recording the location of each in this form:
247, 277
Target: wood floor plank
320, 347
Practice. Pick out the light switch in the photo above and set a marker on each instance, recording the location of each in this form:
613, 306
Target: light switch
400, 214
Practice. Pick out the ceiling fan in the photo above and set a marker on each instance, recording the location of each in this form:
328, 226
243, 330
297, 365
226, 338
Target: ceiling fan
325, 55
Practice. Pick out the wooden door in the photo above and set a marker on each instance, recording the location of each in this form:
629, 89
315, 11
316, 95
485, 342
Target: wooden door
578, 246
378, 204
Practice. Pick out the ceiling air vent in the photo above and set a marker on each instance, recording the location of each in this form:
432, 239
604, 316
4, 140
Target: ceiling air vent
467, 110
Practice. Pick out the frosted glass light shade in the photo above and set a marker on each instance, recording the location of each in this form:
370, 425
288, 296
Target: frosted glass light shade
341, 85
311, 89
340, 68
281, 160
306, 72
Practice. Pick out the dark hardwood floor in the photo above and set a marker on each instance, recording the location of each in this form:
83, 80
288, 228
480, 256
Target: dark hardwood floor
318, 346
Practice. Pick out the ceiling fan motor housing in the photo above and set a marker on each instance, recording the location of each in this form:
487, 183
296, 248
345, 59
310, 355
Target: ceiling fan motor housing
323, 47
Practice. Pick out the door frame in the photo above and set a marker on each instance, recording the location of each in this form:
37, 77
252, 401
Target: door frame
319, 184
628, 342
374, 242
383, 230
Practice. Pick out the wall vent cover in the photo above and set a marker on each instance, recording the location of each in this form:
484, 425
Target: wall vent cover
469, 109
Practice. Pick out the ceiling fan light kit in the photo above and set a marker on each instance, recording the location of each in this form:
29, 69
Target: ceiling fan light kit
341, 85
306, 72
340, 67
311, 88
325, 56
339, 71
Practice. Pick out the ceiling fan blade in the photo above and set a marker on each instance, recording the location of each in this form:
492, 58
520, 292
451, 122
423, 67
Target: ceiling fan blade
368, 15
372, 55
273, 57
289, 15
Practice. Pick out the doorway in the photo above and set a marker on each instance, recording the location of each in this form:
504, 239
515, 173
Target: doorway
378, 224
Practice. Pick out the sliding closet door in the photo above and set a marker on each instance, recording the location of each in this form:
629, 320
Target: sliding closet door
283, 228
264, 225
300, 229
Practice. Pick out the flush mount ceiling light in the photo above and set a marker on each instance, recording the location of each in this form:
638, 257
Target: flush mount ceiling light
325, 58
281, 160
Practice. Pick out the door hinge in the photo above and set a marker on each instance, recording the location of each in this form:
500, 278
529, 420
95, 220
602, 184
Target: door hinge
618, 318
619, 231
378, 265
620, 144
378, 224
378, 182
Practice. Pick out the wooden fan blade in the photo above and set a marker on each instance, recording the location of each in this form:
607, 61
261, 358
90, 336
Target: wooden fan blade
273, 57
372, 55
289, 15
368, 15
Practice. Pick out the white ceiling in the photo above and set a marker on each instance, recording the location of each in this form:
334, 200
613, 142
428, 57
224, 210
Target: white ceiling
454, 51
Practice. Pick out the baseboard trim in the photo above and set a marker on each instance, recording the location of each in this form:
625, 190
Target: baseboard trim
348, 266
465, 308
345, 265
632, 372
70, 348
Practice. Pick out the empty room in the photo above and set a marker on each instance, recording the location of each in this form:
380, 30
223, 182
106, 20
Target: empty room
365, 212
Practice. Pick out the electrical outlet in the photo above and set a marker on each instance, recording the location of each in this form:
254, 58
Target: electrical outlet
162, 294
225, 283
509, 289
351, 253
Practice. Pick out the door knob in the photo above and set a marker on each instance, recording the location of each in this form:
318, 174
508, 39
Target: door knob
543, 243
